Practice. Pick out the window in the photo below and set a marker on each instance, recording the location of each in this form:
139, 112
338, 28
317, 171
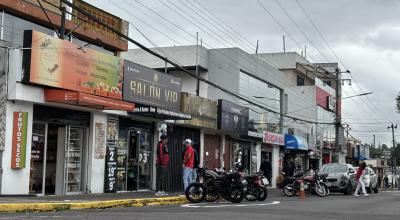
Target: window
382, 162
300, 81
328, 82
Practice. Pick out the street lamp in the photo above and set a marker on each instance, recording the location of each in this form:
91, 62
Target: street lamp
362, 94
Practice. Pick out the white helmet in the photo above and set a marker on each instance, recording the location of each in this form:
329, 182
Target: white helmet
187, 141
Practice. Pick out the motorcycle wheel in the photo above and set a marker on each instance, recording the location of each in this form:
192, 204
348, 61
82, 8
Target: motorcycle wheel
236, 194
252, 193
326, 189
320, 190
195, 192
263, 193
289, 190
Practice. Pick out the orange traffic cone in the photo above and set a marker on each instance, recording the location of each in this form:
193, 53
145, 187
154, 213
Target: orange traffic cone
302, 193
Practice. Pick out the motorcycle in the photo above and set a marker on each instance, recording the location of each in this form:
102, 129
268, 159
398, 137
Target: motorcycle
312, 184
256, 187
212, 186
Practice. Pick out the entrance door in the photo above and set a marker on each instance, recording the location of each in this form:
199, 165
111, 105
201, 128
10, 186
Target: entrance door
56, 159
139, 160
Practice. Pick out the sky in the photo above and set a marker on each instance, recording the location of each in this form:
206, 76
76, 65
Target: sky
363, 35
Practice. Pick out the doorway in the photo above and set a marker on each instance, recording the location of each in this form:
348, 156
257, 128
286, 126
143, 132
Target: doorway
57, 159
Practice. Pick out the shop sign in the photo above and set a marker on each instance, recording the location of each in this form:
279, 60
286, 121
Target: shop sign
110, 183
273, 138
160, 113
232, 118
62, 64
104, 16
146, 86
295, 142
20, 126
204, 111
100, 138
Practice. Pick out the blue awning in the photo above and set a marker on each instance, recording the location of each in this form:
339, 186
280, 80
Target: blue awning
295, 143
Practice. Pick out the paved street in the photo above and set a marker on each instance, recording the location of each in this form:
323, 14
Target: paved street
384, 205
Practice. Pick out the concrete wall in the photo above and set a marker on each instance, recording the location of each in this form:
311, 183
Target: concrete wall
184, 55
16, 181
287, 60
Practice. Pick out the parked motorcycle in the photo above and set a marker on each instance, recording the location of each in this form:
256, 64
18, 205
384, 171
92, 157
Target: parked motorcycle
256, 187
212, 186
312, 184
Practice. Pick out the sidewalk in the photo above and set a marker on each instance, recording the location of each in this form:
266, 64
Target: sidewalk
86, 201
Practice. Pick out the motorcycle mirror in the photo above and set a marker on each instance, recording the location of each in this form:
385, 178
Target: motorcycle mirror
206, 153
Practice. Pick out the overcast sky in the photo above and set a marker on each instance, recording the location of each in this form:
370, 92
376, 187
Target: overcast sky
364, 34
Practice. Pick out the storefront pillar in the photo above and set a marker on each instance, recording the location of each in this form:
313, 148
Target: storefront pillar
275, 164
97, 151
222, 149
16, 181
201, 153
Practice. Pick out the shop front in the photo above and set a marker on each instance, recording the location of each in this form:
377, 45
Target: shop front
158, 101
270, 155
296, 153
233, 121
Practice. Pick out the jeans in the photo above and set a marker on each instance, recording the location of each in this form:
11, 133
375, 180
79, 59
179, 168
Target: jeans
360, 185
194, 175
161, 178
187, 177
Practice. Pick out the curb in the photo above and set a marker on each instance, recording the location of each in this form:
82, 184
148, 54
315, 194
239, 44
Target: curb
59, 206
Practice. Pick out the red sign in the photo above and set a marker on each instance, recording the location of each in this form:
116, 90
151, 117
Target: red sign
20, 126
273, 138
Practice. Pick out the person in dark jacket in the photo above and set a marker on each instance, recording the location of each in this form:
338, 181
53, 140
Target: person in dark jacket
162, 165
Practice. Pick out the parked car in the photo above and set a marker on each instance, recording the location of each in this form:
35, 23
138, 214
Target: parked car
340, 177
370, 180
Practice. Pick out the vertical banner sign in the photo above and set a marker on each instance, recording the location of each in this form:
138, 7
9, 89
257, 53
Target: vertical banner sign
19, 140
100, 140
110, 182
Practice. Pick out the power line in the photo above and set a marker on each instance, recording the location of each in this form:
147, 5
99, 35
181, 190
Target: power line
84, 12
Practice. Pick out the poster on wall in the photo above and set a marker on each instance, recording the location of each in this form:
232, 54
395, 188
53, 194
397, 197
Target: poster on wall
233, 118
110, 182
62, 64
20, 125
100, 140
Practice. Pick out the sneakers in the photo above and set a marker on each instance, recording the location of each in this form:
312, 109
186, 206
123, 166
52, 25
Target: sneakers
163, 193
159, 193
356, 195
366, 194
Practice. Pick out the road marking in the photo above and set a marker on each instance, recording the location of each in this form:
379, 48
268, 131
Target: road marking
207, 205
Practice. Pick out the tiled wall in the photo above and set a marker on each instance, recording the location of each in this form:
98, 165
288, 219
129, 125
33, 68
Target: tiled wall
3, 95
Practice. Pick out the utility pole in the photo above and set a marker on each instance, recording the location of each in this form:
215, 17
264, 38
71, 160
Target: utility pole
62, 27
257, 47
284, 43
338, 123
197, 65
374, 141
394, 161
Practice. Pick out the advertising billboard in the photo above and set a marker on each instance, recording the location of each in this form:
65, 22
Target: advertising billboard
62, 64
20, 126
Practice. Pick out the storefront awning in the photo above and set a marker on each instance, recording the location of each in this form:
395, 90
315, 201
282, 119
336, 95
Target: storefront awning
86, 100
295, 143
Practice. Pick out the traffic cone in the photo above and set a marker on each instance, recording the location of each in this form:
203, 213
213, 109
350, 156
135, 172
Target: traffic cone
302, 193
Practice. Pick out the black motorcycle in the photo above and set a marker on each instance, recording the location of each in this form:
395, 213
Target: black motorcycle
212, 186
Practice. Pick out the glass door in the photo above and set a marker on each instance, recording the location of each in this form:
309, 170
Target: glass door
38, 162
145, 160
73, 159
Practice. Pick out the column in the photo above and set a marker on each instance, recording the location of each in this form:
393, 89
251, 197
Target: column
275, 165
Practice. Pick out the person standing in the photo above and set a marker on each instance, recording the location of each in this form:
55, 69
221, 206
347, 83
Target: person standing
380, 181
188, 164
386, 182
359, 179
162, 165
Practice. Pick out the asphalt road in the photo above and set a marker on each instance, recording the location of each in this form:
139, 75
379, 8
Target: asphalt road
385, 205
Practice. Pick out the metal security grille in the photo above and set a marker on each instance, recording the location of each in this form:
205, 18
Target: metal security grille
176, 148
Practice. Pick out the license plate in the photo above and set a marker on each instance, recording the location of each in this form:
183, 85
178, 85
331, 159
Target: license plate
265, 181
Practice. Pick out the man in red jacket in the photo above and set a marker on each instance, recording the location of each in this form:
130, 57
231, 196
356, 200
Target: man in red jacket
162, 164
